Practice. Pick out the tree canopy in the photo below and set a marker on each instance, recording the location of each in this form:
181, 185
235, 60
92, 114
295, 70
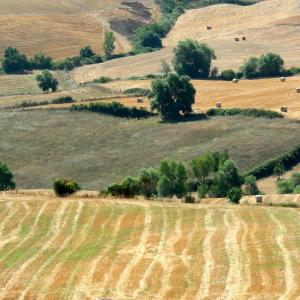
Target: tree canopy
193, 59
173, 96
6, 178
109, 44
47, 82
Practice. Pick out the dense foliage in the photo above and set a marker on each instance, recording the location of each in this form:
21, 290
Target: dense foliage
193, 59
249, 112
289, 186
14, 61
115, 109
47, 82
65, 187
109, 44
6, 178
172, 96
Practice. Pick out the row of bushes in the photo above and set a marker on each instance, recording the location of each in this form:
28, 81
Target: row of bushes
137, 91
115, 109
288, 159
212, 174
249, 112
60, 100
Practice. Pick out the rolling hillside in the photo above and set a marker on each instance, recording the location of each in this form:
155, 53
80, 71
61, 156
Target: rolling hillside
61, 28
271, 25
93, 248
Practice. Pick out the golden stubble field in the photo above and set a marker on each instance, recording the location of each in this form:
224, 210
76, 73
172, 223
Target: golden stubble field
61, 28
93, 248
269, 26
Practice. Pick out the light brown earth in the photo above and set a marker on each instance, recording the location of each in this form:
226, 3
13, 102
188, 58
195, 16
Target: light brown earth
271, 25
61, 28
86, 247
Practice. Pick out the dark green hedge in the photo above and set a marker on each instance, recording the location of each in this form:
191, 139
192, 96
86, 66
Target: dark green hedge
251, 112
289, 160
115, 109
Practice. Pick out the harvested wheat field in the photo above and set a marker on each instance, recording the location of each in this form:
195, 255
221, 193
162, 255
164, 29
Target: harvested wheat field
60, 29
269, 26
81, 248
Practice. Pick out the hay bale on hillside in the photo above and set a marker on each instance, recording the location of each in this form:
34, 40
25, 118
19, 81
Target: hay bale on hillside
209, 28
284, 109
235, 80
298, 90
244, 38
282, 79
237, 39
259, 198
140, 100
219, 105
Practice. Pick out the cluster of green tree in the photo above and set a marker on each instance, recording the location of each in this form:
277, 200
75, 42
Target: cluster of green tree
277, 165
46, 82
289, 186
103, 79
137, 91
65, 187
249, 112
24, 104
6, 178
214, 174
115, 109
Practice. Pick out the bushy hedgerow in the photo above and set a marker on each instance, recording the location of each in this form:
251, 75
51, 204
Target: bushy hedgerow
289, 159
102, 79
137, 91
249, 112
61, 100
65, 187
115, 109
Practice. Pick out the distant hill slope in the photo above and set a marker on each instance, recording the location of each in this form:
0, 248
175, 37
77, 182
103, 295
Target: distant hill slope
61, 28
271, 25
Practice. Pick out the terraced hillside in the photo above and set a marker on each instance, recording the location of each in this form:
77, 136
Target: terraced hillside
61, 28
271, 25
99, 248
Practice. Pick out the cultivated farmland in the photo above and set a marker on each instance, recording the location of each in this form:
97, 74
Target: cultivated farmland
60, 29
100, 248
98, 150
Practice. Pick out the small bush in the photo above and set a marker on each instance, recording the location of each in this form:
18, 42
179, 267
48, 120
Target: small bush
103, 79
235, 195
65, 187
61, 100
129, 188
228, 75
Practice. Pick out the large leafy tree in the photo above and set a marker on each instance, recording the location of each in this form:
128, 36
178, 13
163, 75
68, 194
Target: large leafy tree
47, 82
6, 178
270, 64
109, 44
193, 59
172, 96
14, 61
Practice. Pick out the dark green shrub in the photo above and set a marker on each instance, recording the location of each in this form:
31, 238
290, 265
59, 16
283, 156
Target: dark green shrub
14, 61
251, 186
129, 188
285, 186
235, 195
203, 189
148, 180
41, 62
65, 187
6, 178
103, 79
61, 100
228, 75
137, 91
115, 109
248, 112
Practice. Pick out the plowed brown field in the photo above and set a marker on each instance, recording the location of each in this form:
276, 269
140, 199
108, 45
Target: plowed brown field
93, 248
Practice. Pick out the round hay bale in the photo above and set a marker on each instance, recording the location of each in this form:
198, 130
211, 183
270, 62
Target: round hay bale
282, 79
208, 27
244, 38
140, 100
298, 90
259, 198
219, 105
235, 80
236, 39
284, 109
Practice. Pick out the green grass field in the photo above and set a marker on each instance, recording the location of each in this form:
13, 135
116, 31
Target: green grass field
96, 150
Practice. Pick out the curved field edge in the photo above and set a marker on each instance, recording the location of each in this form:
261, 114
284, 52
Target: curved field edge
89, 248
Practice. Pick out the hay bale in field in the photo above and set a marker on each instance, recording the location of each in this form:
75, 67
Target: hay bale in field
140, 100
298, 90
237, 39
259, 198
208, 27
219, 105
282, 79
235, 80
244, 38
284, 109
